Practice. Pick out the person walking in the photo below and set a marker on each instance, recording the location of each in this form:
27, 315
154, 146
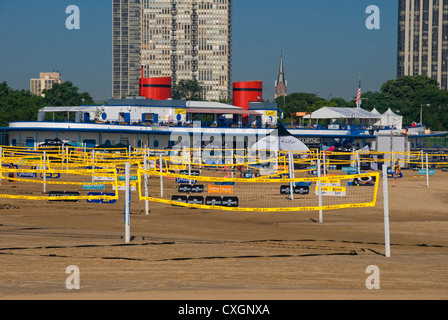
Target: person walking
397, 171
12, 176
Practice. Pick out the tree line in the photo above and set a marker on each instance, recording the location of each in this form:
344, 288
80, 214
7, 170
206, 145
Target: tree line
407, 96
22, 105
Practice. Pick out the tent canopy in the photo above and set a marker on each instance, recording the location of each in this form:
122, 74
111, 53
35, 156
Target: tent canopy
346, 113
280, 139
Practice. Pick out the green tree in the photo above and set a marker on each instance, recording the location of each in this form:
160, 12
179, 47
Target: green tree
66, 94
409, 95
18, 105
190, 90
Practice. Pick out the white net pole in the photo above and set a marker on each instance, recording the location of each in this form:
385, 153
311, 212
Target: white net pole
319, 189
145, 165
161, 178
127, 204
386, 212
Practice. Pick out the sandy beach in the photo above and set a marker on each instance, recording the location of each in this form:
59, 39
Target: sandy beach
178, 253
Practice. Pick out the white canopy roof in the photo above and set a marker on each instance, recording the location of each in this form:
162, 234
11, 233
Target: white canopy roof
67, 109
337, 113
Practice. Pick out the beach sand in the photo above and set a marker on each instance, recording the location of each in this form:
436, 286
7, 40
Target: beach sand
178, 253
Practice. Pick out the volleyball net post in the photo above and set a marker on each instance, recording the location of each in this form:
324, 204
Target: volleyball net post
127, 203
386, 212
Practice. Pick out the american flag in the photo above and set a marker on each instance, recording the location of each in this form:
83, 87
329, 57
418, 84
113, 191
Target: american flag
358, 97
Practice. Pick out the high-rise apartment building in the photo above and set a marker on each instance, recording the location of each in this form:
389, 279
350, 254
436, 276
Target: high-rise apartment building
423, 39
184, 39
46, 80
126, 48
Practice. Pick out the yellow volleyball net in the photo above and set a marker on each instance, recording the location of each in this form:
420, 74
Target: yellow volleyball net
259, 194
41, 181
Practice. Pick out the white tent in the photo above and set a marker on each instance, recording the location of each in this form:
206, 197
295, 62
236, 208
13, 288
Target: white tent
389, 118
280, 139
337, 113
374, 111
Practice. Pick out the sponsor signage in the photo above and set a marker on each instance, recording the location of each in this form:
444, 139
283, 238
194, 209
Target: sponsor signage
103, 201
103, 178
296, 189
185, 181
192, 173
189, 188
26, 175
248, 175
131, 178
183, 199
226, 183
93, 186
195, 200
123, 188
51, 175
56, 194
431, 172
220, 189
331, 182
350, 170
332, 191
230, 202
213, 201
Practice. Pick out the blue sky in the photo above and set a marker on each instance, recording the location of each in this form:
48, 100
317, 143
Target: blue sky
325, 43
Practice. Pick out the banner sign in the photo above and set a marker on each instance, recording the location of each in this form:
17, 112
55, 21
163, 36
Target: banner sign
213, 201
189, 188
332, 191
93, 186
230, 201
185, 181
220, 189
296, 189
50, 175
431, 172
103, 201
183, 199
192, 173
131, 178
195, 200
57, 194
26, 175
350, 170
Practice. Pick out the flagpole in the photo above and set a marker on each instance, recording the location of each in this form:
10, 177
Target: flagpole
358, 95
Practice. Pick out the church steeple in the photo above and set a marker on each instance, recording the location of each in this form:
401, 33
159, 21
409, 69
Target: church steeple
281, 85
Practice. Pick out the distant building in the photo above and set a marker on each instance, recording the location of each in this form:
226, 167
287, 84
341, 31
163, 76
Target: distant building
281, 85
126, 39
45, 81
184, 40
423, 39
